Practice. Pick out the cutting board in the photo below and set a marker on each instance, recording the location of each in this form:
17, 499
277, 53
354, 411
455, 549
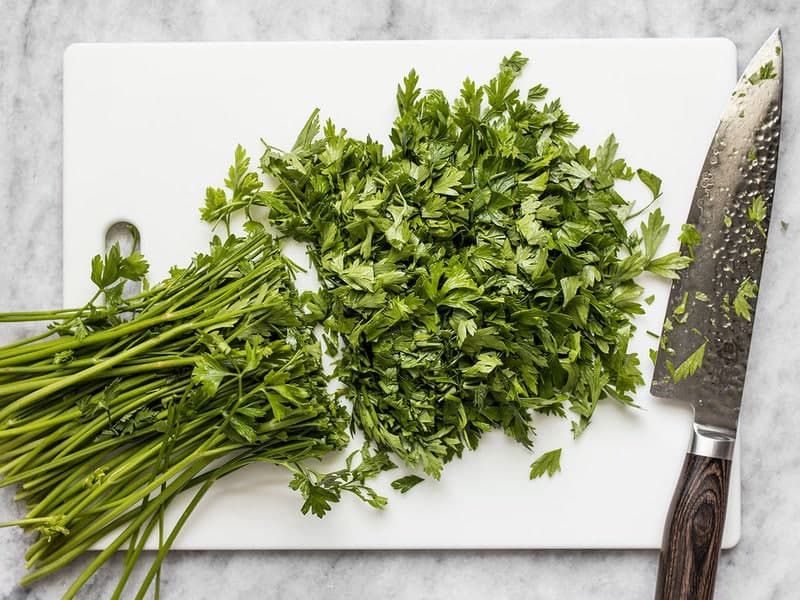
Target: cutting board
148, 126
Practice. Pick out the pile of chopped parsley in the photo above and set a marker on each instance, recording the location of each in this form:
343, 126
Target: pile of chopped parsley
477, 273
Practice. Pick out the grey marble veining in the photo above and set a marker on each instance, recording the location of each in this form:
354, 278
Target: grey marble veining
33, 36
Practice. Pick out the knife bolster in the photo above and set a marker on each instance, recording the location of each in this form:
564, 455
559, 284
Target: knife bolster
713, 442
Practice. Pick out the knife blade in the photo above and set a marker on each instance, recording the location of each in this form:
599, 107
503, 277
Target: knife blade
705, 341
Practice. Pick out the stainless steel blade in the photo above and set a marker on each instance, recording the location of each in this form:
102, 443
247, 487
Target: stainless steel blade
711, 306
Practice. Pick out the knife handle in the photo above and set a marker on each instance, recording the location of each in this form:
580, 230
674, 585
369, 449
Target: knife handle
687, 564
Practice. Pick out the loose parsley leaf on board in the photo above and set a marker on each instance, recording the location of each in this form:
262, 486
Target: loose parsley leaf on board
403, 484
548, 463
653, 182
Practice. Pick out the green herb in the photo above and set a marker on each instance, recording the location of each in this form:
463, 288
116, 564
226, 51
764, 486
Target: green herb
726, 305
690, 237
668, 265
549, 463
321, 489
689, 366
784, 225
757, 212
741, 303
702, 297
765, 72
679, 314
652, 182
403, 484
476, 273
123, 405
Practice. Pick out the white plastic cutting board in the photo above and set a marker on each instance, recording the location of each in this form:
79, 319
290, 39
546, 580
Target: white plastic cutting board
148, 126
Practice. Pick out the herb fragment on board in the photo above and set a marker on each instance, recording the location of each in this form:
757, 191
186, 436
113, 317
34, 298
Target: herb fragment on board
321, 489
403, 484
548, 463
653, 182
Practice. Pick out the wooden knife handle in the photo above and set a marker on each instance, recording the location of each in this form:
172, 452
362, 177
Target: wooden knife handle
687, 564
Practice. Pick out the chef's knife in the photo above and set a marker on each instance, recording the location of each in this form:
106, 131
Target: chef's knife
705, 342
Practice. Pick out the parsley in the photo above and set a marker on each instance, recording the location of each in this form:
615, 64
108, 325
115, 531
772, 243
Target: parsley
690, 237
135, 400
549, 463
653, 182
321, 489
476, 272
765, 72
403, 484
757, 212
689, 366
741, 303
702, 296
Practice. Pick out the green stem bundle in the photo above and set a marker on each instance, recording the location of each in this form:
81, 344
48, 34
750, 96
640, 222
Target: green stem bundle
120, 408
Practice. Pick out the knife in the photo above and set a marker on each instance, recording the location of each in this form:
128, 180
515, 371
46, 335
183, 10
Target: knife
705, 341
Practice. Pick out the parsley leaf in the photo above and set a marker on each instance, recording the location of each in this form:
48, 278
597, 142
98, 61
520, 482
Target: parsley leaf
549, 463
653, 182
741, 303
757, 212
403, 484
653, 232
690, 237
689, 366
765, 72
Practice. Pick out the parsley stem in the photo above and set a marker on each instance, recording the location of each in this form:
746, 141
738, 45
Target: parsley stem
64, 382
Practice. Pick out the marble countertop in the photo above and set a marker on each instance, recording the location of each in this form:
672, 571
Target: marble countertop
763, 565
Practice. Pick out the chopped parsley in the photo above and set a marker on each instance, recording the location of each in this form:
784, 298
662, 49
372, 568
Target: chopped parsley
757, 212
765, 72
477, 272
741, 303
689, 366
548, 463
690, 237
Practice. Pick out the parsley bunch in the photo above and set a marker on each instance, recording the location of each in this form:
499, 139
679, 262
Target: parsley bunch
126, 403
478, 273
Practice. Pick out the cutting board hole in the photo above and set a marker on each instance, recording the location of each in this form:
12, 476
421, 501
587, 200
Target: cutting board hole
127, 236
